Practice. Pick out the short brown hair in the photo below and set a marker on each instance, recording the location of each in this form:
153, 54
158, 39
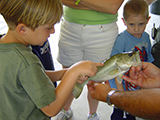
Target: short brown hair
32, 13
135, 7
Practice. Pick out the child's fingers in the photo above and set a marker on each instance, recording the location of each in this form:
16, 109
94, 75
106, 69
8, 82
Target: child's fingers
99, 64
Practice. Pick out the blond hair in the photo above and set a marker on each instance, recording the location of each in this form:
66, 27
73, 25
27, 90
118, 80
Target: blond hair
32, 13
136, 7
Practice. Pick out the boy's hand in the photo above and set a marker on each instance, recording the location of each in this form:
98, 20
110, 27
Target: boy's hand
81, 79
85, 69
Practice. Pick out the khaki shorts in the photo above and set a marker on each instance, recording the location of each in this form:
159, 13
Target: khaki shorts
85, 42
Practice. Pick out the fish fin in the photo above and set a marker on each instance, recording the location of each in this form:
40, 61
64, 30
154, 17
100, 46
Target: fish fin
113, 72
119, 79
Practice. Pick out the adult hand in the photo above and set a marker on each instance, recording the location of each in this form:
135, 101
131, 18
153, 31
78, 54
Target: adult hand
146, 77
98, 91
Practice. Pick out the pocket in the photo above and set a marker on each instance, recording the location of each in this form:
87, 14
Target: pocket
64, 23
108, 27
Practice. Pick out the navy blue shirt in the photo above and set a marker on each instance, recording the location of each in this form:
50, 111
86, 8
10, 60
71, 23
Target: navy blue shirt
44, 54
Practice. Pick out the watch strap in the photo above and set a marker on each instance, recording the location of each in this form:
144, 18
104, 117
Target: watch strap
109, 95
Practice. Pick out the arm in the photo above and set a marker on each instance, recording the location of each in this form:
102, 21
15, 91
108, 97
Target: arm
69, 79
142, 103
55, 75
105, 6
148, 77
58, 75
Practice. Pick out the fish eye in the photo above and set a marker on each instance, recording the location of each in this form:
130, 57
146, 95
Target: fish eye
130, 54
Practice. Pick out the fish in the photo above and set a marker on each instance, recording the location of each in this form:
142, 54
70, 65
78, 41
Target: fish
113, 67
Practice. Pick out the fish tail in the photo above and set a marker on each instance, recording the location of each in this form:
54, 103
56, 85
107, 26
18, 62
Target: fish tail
77, 91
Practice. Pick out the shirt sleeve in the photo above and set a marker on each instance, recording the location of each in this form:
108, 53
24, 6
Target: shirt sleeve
37, 85
119, 45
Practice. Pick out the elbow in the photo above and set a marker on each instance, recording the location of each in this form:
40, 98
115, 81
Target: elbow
110, 12
49, 111
50, 114
113, 12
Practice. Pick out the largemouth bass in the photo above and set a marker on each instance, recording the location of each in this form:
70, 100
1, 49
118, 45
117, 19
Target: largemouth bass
113, 67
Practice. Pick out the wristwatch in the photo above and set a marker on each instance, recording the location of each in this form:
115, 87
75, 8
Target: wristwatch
109, 95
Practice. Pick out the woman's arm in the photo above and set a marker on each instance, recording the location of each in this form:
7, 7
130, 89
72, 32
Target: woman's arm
104, 6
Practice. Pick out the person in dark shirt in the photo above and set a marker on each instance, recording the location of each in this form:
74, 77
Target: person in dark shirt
45, 55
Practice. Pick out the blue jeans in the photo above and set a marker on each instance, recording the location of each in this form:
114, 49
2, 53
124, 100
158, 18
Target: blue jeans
119, 115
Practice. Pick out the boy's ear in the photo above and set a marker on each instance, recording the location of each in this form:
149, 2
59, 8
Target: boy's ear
148, 18
22, 29
124, 21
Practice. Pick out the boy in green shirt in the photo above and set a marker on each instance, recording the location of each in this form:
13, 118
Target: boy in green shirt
26, 89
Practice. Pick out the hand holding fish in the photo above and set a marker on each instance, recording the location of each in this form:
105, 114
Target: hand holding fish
84, 68
81, 79
96, 89
148, 77
113, 67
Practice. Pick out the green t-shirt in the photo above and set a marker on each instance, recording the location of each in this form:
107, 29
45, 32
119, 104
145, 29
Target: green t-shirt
88, 17
24, 86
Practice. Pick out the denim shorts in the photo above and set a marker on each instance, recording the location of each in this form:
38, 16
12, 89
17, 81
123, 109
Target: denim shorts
79, 42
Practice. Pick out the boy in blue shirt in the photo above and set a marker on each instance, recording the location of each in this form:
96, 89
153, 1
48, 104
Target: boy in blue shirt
135, 17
